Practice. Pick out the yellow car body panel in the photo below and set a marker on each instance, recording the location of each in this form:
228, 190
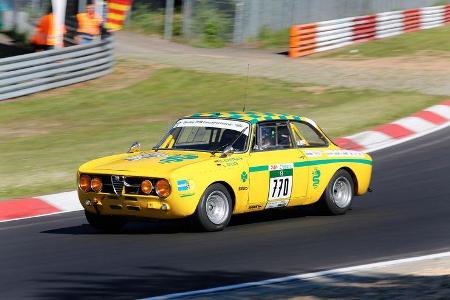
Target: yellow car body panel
247, 175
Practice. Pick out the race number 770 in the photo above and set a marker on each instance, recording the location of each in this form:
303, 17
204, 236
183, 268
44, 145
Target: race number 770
280, 187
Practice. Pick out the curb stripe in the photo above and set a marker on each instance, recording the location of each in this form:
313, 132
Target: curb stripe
430, 117
21, 208
394, 130
348, 144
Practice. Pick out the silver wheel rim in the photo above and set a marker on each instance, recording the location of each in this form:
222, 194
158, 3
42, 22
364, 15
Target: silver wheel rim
342, 192
217, 207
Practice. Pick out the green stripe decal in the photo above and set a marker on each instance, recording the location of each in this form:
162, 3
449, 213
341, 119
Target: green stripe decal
259, 168
300, 164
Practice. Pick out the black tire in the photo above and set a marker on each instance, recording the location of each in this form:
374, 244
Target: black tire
213, 193
330, 199
110, 224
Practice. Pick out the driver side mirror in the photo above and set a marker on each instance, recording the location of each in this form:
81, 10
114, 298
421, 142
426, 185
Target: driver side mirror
226, 151
135, 147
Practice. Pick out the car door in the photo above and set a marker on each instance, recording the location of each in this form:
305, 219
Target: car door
314, 146
274, 179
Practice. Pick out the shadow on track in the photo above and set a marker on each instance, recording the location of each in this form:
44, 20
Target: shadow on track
189, 226
154, 280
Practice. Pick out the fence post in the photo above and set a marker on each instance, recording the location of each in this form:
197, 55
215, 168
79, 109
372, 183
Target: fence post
187, 18
238, 30
168, 19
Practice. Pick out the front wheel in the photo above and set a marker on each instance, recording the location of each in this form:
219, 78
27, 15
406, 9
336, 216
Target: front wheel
110, 224
338, 195
214, 209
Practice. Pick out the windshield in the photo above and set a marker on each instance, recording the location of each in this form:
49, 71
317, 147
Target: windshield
206, 135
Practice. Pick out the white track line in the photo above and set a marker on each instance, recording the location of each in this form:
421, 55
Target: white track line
305, 276
38, 216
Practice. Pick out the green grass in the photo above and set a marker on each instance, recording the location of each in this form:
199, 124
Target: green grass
44, 138
270, 39
434, 41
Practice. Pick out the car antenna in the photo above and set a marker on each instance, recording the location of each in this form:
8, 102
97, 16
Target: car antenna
246, 88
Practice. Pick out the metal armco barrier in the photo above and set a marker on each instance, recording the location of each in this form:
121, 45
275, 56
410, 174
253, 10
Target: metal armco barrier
311, 38
30, 73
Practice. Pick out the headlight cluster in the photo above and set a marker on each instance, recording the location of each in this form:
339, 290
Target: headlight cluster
162, 187
87, 184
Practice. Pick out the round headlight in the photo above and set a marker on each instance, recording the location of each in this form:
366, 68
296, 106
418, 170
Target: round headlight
146, 187
96, 184
85, 183
163, 188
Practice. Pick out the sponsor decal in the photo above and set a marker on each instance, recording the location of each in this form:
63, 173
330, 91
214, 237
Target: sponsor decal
244, 176
255, 206
187, 195
344, 153
276, 204
313, 153
243, 188
216, 123
145, 156
177, 158
183, 185
316, 178
230, 161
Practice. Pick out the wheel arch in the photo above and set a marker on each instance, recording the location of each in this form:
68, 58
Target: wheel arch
354, 178
230, 190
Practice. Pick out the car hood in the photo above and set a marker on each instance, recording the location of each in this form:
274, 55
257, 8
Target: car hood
144, 163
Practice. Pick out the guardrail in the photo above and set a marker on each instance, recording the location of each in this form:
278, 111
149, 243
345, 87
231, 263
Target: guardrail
310, 38
30, 73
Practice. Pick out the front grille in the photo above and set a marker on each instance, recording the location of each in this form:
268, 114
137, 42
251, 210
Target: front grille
117, 184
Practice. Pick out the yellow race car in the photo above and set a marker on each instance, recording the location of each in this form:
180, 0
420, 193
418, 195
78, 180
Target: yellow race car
213, 165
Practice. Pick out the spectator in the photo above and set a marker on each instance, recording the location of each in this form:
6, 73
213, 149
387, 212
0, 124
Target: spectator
89, 24
44, 37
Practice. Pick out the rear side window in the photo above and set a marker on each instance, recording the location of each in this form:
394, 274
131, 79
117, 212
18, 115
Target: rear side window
306, 135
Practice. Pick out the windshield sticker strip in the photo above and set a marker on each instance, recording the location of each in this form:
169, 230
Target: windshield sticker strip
216, 123
300, 164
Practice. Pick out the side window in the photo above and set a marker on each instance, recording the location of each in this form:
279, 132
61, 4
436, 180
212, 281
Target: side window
307, 136
272, 136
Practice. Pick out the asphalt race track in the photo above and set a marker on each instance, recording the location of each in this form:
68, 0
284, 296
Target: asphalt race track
408, 214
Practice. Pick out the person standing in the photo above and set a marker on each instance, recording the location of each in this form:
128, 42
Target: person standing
89, 25
44, 37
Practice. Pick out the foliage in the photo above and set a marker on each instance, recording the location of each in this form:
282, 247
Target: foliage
212, 26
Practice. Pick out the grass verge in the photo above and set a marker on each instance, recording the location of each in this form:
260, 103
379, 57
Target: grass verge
431, 41
45, 137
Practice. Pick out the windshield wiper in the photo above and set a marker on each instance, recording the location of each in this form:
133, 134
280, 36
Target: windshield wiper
213, 152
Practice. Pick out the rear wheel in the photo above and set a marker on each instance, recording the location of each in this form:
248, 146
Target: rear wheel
338, 195
111, 224
214, 209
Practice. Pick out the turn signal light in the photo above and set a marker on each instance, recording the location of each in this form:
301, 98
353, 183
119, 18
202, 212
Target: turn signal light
146, 187
163, 188
85, 183
96, 184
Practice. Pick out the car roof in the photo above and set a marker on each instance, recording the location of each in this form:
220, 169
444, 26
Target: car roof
250, 116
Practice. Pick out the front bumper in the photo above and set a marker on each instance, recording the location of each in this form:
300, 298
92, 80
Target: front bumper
150, 207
